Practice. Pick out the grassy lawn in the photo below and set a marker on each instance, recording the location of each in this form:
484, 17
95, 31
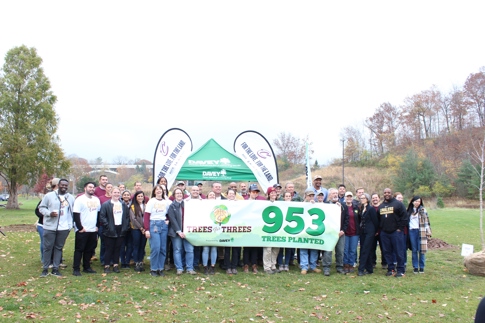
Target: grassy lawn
445, 293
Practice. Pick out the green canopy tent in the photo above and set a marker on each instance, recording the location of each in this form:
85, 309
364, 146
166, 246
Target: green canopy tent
211, 162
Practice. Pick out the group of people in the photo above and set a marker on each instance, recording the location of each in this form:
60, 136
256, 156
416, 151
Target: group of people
122, 223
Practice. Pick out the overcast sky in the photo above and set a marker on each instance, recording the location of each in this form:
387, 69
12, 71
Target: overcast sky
125, 72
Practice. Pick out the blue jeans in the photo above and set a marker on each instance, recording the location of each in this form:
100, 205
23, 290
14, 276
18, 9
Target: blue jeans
289, 253
40, 230
180, 245
418, 257
394, 247
158, 244
139, 243
205, 255
350, 249
308, 257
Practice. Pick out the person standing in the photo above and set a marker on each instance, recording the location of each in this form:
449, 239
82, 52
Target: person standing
156, 229
393, 219
419, 232
57, 209
351, 234
100, 190
86, 208
137, 211
270, 254
309, 257
333, 198
176, 233
115, 218
368, 231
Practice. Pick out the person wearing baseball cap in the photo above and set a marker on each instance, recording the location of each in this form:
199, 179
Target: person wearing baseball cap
317, 187
278, 188
254, 193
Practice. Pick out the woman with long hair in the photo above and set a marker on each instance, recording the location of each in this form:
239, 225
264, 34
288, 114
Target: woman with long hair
114, 217
369, 225
419, 232
156, 229
177, 235
127, 246
137, 211
270, 254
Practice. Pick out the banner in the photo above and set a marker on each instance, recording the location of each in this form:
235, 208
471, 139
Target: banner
172, 150
262, 224
257, 154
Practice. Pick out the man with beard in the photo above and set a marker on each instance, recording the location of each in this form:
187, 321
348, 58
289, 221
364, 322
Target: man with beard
57, 209
86, 208
317, 188
333, 198
393, 219
100, 190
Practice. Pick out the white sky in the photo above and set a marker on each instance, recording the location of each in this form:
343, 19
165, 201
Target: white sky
125, 72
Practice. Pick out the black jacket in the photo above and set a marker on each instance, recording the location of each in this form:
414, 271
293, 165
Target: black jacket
392, 216
369, 217
107, 220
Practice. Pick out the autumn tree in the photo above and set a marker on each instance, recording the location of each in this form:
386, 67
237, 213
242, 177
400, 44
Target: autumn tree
291, 148
383, 126
474, 92
29, 145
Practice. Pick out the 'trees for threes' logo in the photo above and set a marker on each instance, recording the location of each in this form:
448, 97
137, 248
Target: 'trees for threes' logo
220, 214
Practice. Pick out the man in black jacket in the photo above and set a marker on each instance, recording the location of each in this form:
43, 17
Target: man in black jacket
393, 218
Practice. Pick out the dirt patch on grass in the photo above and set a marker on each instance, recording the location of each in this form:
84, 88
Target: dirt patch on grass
19, 228
435, 243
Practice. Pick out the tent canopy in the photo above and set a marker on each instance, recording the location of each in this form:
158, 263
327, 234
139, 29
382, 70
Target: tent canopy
211, 162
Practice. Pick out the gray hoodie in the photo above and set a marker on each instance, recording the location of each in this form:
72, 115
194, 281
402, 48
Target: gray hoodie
51, 202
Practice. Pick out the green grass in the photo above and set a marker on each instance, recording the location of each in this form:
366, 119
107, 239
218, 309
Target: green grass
445, 293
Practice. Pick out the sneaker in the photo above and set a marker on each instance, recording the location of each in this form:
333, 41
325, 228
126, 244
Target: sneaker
360, 273
180, 272
191, 272
269, 272
415, 270
116, 269
76, 273
89, 271
44, 273
51, 266
125, 266
303, 272
287, 267
229, 271
246, 268
275, 270
316, 270
206, 270
212, 270
63, 265
326, 272
399, 275
421, 270
154, 273
56, 272
107, 270
234, 271
390, 273
282, 267
161, 273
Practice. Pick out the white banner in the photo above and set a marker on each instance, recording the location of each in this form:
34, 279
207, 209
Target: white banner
262, 224
257, 154
173, 148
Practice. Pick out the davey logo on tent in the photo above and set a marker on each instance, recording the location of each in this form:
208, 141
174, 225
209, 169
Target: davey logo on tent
222, 161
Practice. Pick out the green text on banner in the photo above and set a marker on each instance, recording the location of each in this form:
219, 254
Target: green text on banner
262, 224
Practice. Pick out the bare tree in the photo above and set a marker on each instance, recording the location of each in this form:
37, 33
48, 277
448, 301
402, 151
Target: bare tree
474, 91
477, 154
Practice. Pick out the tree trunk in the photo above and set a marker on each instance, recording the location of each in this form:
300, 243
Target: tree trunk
13, 201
